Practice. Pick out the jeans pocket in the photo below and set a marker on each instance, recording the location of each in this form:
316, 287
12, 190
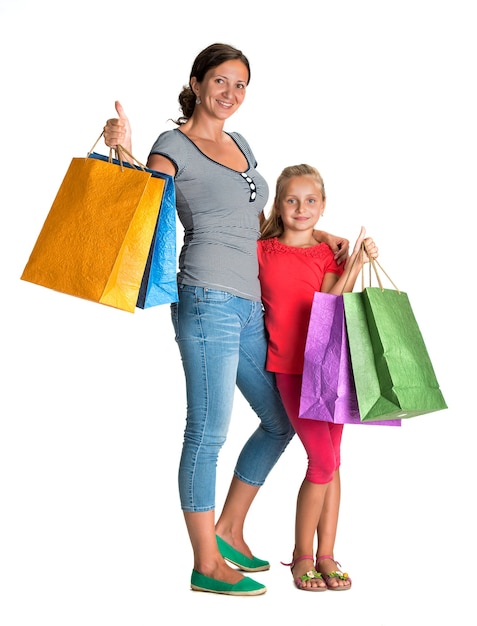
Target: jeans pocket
214, 295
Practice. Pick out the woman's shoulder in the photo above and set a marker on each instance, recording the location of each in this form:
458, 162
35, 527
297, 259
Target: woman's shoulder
237, 136
169, 138
172, 144
244, 146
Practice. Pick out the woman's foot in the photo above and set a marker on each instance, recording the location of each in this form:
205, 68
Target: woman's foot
237, 542
219, 570
240, 560
245, 587
334, 578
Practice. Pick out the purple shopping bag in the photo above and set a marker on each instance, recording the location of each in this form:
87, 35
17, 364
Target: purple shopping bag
328, 393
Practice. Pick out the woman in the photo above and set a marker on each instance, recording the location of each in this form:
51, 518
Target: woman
218, 319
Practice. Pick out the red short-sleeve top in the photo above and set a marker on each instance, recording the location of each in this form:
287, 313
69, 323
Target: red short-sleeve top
289, 277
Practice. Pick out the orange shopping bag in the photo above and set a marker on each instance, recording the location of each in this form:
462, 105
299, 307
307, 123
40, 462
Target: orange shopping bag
95, 241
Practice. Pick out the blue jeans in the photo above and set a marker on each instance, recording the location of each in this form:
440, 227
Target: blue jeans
222, 342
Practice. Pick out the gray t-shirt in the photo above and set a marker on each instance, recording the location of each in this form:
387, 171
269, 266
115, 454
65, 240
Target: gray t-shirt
219, 209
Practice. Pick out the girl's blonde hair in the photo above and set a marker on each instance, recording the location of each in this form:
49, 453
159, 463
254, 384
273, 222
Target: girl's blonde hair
272, 225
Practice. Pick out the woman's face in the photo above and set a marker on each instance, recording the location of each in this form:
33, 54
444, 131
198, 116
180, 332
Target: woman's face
223, 89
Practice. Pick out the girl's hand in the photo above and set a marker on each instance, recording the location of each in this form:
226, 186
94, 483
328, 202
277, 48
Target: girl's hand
370, 248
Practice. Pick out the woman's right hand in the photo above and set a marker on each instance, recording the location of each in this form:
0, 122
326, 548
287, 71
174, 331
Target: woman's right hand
118, 130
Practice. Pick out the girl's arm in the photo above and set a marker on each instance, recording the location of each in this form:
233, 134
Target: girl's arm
332, 283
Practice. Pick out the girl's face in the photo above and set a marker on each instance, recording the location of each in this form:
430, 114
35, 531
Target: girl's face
301, 204
223, 89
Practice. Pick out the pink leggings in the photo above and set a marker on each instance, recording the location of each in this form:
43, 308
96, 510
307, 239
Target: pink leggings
322, 440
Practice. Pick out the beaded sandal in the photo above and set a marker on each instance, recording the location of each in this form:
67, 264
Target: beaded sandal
333, 575
310, 575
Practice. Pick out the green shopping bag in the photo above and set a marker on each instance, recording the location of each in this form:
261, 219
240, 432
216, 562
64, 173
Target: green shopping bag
393, 373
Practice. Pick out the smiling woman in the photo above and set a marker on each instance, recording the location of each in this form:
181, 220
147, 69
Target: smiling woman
222, 87
218, 321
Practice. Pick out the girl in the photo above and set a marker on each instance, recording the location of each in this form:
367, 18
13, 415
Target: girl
292, 266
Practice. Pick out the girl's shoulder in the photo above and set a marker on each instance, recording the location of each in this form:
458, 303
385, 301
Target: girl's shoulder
272, 245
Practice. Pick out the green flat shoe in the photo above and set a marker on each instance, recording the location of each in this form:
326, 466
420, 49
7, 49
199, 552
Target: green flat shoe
245, 587
240, 560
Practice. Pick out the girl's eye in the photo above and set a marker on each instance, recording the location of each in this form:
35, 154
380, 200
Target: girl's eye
241, 86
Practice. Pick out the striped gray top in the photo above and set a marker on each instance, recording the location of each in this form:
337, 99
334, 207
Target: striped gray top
219, 209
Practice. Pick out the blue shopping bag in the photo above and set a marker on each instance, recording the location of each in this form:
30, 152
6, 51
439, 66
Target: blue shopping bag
159, 282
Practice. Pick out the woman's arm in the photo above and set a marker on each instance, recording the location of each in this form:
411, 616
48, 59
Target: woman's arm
161, 164
118, 132
339, 245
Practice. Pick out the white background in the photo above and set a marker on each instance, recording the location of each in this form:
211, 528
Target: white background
380, 96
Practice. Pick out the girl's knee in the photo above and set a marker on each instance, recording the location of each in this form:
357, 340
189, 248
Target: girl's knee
320, 475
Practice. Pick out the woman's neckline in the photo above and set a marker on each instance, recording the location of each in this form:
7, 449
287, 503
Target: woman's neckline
232, 169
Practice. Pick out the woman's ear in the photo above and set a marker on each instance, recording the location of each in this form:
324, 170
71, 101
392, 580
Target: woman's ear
194, 85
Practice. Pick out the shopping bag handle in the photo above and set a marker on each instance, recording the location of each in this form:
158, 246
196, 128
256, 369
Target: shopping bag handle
119, 153
373, 265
